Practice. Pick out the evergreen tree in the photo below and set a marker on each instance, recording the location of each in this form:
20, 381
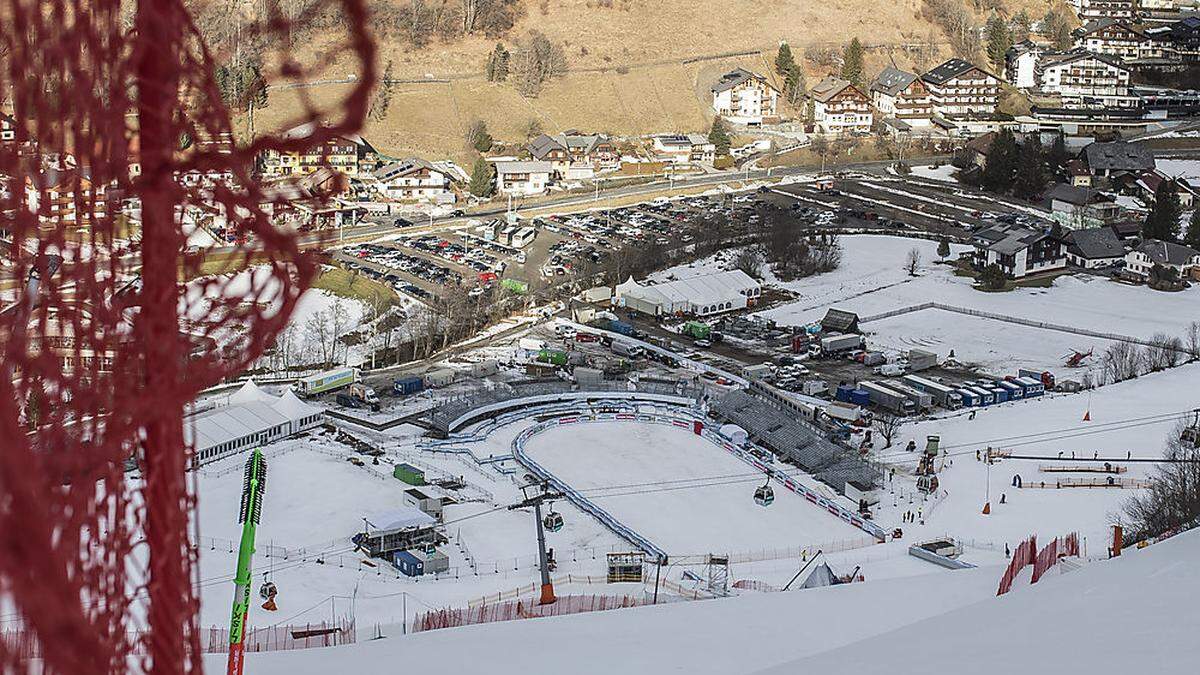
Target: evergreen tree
1056, 25
1031, 169
482, 179
999, 39
478, 137
943, 249
1057, 157
1001, 165
1022, 25
718, 135
785, 63
1192, 238
810, 112
852, 62
794, 85
992, 277
497, 64
1163, 221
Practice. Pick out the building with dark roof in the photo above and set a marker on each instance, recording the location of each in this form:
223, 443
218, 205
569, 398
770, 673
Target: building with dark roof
1117, 157
1094, 247
745, 97
1083, 80
903, 96
1143, 258
1018, 250
1077, 207
840, 107
959, 90
1115, 37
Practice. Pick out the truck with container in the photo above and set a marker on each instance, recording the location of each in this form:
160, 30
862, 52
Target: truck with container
832, 345
919, 359
1044, 376
969, 398
624, 348
945, 396
762, 371
329, 380
888, 399
923, 400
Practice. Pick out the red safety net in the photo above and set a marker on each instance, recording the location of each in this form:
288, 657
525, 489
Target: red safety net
512, 610
117, 136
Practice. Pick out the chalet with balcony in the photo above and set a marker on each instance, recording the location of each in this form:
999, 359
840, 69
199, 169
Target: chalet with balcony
575, 156
960, 90
1077, 208
745, 97
1084, 80
901, 95
840, 107
352, 156
414, 180
1184, 260
1018, 250
520, 179
1113, 37
1111, 160
1089, 10
680, 149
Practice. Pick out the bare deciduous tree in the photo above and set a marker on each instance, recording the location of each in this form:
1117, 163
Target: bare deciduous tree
912, 262
887, 425
1122, 361
1164, 351
1173, 498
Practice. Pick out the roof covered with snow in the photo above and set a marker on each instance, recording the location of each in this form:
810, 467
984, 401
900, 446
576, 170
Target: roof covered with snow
705, 289
250, 411
399, 519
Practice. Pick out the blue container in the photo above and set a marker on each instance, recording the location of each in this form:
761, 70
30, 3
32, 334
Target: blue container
1001, 394
408, 385
621, 327
843, 393
408, 564
969, 399
860, 397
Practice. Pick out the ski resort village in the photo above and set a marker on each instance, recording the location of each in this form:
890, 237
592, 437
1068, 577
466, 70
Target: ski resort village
515, 337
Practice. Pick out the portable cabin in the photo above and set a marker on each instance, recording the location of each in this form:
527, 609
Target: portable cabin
1015, 391
999, 394
439, 378
1031, 386
408, 473
969, 398
985, 397
408, 564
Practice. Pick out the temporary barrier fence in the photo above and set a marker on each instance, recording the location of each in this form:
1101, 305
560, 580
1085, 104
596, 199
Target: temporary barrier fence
521, 609
1021, 557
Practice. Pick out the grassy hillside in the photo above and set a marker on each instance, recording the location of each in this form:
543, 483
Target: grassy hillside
633, 68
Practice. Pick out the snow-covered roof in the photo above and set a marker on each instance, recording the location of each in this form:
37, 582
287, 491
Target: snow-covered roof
251, 410
705, 289
399, 519
250, 393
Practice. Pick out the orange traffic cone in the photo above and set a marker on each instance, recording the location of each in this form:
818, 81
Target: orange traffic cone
987, 508
1087, 415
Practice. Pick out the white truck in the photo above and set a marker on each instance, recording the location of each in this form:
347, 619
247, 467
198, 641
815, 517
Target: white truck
629, 349
329, 380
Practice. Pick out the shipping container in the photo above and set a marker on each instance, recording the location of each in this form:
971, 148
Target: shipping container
552, 356
833, 344
408, 473
888, 399
761, 371
985, 397
408, 564
1015, 391
969, 398
1044, 376
407, 385
923, 400
620, 327
440, 377
919, 359
697, 330
947, 397
485, 368
1031, 386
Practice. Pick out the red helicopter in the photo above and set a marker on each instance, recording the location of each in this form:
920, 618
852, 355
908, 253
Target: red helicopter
1076, 357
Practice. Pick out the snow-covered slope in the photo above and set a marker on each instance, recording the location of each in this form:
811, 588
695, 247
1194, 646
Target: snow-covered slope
1136, 613
1133, 613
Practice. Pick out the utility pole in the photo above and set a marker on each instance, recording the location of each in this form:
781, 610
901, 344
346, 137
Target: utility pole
547, 597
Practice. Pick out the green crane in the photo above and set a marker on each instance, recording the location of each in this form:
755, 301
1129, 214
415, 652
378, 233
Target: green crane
250, 515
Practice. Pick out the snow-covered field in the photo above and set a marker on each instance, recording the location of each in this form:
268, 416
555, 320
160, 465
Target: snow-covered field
944, 172
871, 281
645, 460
